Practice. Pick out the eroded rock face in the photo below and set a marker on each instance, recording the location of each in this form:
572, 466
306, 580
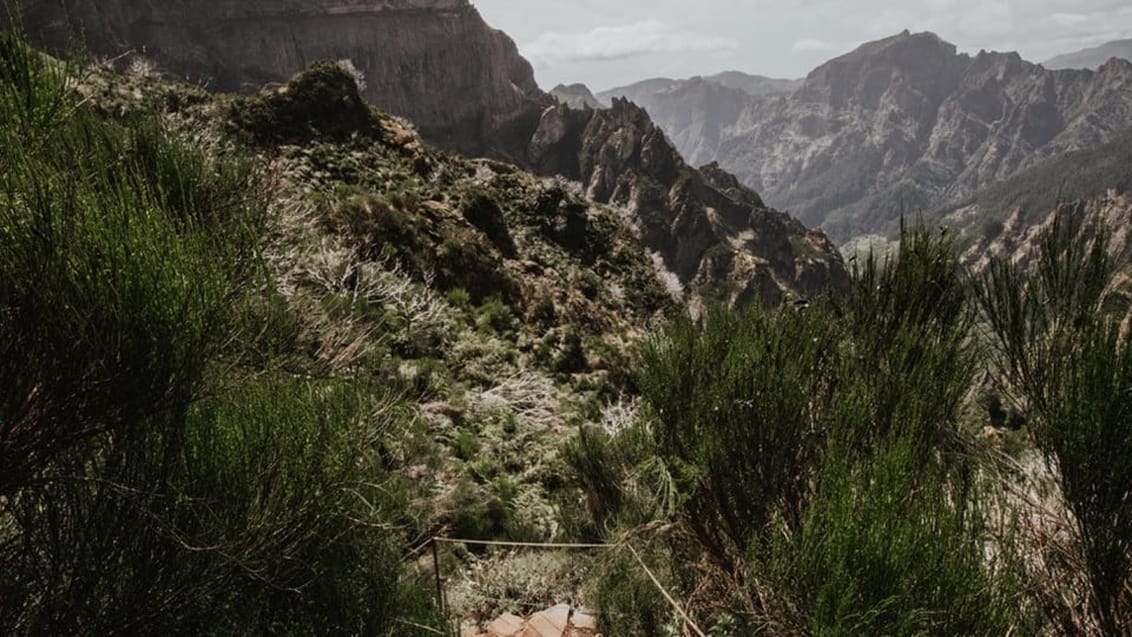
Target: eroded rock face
711, 232
901, 125
434, 62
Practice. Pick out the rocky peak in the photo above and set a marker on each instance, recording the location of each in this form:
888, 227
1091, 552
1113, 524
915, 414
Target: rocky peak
920, 62
714, 235
899, 126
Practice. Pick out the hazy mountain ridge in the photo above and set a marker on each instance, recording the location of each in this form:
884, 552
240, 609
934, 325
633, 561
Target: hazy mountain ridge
1092, 58
577, 96
696, 112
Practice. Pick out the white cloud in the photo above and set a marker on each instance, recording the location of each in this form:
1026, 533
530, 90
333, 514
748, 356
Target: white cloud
1068, 19
567, 43
647, 37
810, 45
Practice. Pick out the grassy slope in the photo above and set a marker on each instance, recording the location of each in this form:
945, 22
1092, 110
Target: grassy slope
504, 305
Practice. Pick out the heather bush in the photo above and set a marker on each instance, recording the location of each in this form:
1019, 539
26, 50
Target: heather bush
158, 473
1067, 366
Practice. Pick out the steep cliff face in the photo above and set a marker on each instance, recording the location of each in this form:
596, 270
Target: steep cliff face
435, 62
902, 125
711, 232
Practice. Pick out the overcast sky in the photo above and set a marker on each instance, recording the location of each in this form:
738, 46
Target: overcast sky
608, 43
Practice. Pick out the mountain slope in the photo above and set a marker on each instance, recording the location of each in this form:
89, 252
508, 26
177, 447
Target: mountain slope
716, 236
468, 90
1027, 197
1092, 58
906, 124
435, 62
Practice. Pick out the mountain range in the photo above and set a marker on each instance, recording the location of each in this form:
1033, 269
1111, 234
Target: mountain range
467, 89
898, 126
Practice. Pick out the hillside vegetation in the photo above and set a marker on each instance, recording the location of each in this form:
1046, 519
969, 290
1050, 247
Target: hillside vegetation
935, 453
256, 351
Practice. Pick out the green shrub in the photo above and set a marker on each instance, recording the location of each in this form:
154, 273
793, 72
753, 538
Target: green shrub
122, 249
321, 102
1068, 366
266, 508
816, 460
155, 475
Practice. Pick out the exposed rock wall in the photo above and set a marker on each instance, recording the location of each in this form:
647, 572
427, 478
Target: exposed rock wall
435, 62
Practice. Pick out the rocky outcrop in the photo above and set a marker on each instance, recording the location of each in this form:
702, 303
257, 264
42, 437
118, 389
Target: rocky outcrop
899, 126
576, 96
1092, 58
1020, 241
435, 62
711, 232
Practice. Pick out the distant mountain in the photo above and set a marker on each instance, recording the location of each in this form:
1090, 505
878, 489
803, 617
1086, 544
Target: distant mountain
900, 125
756, 85
906, 124
695, 112
576, 96
1092, 58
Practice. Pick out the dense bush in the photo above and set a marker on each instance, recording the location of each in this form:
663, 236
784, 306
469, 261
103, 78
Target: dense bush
817, 460
155, 474
1068, 366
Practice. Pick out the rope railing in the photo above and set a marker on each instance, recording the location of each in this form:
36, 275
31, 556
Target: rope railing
624, 544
